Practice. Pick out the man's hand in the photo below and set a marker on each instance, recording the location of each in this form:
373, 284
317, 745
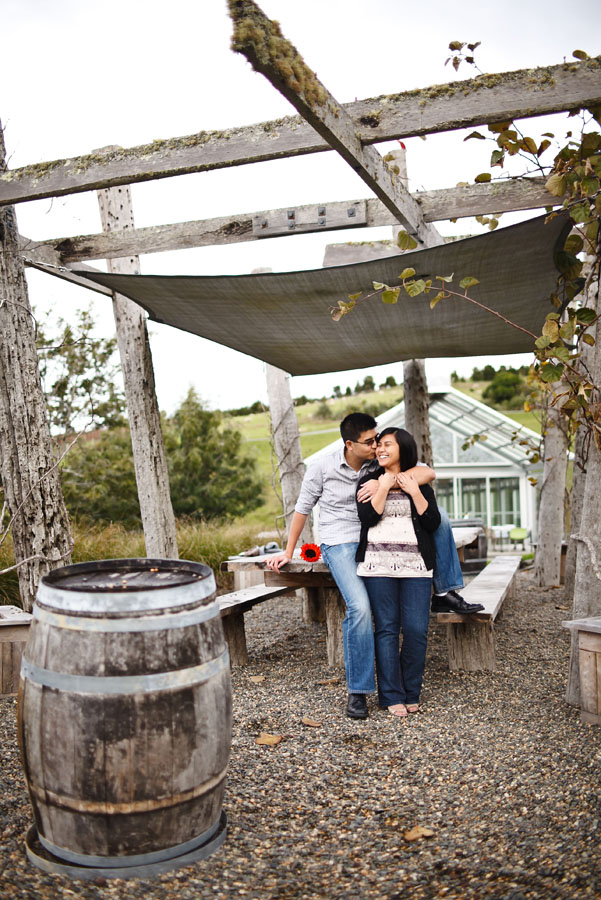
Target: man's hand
277, 561
367, 491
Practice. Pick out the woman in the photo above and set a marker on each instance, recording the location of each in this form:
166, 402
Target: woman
396, 558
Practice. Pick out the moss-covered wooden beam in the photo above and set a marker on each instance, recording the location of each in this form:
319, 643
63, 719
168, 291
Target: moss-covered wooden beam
449, 203
462, 104
260, 40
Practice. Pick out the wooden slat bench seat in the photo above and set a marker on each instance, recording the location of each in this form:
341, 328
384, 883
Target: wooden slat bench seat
470, 637
232, 608
14, 631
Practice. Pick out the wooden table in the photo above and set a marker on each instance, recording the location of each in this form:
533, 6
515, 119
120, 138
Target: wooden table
323, 601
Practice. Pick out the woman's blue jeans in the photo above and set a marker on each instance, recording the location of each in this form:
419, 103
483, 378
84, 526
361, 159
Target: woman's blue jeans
357, 630
400, 605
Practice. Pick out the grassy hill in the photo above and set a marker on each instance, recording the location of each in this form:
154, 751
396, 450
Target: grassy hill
318, 430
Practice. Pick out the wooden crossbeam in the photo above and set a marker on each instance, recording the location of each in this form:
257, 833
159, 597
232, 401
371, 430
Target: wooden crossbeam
488, 98
448, 203
260, 40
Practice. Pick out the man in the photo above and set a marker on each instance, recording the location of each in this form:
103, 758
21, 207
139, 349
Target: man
332, 482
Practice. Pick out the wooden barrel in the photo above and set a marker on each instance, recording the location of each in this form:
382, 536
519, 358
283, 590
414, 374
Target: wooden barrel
125, 711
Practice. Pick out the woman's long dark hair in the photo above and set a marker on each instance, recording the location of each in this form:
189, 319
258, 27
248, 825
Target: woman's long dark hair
407, 446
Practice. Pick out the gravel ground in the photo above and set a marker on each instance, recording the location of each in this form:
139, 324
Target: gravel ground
503, 773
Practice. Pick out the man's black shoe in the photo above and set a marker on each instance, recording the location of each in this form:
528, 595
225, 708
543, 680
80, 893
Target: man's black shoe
356, 708
454, 602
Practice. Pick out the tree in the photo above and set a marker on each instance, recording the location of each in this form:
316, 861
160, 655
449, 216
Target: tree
80, 375
210, 476
505, 389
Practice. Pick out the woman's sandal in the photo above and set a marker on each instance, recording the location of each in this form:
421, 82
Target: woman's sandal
413, 708
399, 710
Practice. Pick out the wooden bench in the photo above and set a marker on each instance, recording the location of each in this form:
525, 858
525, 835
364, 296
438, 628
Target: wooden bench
232, 608
14, 631
470, 638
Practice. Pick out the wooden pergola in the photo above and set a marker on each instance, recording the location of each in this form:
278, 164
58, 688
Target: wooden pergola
29, 472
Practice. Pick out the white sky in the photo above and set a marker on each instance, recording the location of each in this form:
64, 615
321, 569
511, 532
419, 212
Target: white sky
80, 76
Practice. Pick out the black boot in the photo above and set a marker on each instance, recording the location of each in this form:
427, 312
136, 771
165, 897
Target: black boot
356, 707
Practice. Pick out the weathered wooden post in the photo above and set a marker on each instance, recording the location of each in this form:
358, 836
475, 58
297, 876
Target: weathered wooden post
587, 532
28, 463
150, 461
552, 497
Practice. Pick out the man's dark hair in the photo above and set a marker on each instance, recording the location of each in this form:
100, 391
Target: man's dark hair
353, 425
407, 446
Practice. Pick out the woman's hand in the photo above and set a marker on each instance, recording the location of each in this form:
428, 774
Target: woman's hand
407, 483
387, 480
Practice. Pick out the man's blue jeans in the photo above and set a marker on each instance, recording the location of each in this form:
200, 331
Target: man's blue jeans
447, 571
357, 629
400, 604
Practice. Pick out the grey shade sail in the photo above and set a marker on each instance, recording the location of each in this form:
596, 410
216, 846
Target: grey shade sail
284, 319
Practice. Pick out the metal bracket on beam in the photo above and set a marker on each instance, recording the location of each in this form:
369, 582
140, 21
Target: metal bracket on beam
305, 219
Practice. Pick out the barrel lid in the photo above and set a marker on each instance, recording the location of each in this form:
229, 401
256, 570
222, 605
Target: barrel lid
136, 582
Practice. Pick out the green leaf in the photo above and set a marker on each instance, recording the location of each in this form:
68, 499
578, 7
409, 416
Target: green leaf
457, 45
482, 178
405, 241
468, 282
475, 134
580, 213
542, 342
436, 299
355, 296
550, 372
407, 273
580, 54
391, 296
588, 339
574, 244
496, 158
414, 288
562, 353
378, 286
446, 278
586, 315
529, 145
556, 185
567, 331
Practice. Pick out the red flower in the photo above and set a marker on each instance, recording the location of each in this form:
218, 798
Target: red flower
310, 552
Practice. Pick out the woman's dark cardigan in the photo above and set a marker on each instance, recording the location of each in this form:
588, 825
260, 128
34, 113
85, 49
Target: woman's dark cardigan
425, 524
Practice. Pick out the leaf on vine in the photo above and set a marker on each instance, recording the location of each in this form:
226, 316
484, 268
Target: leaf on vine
551, 330
475, 134
355, 296
580, 54
457, 45
391, 296
446, 278
415, 287
407, 273
405, 241
557, 185
588, 339
550, 372
542, 147
542, 342
574, 244
498, 127
586, 315
529, 145
496, 158
468, 282
378, 286
482, 177
436, 299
